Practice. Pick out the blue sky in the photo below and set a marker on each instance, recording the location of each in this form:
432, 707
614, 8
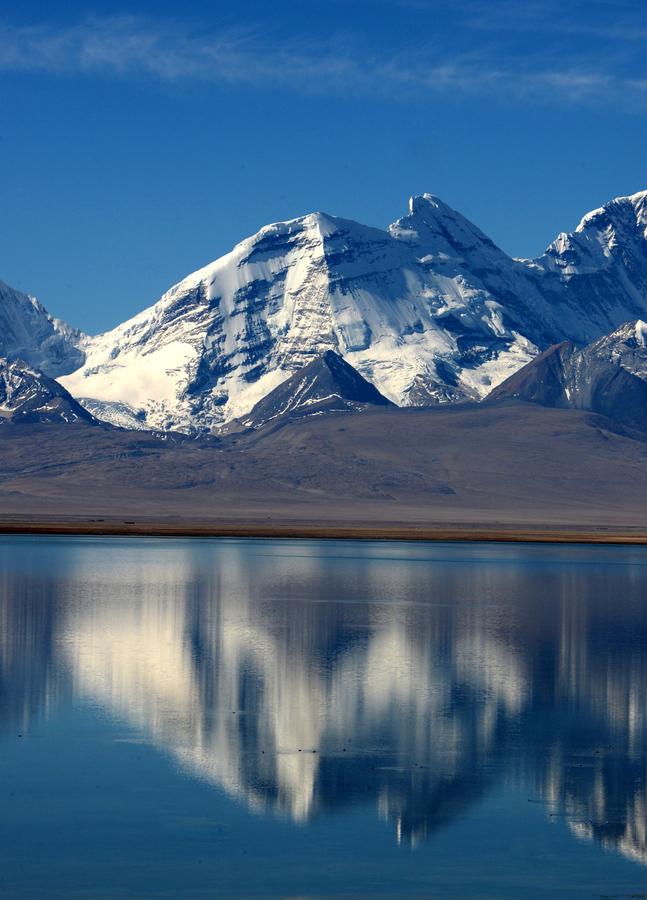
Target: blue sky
141, 141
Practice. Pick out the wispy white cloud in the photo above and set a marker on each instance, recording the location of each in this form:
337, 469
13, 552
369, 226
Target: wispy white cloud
129, 46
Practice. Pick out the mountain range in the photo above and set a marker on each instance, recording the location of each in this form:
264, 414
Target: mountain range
428, 311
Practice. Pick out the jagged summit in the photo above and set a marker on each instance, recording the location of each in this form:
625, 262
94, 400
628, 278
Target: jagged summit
421, 202
436, 227
29, 332
327, 384
625, 346
618, 206
618, 227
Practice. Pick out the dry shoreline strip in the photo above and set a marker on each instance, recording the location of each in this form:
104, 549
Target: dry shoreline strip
396, 532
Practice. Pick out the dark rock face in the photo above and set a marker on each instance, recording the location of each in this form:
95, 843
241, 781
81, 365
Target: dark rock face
27, 395
608, 377
328, 384
540, 381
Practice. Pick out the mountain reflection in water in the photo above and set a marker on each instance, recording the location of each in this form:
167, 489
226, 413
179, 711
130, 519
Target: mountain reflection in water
304, 677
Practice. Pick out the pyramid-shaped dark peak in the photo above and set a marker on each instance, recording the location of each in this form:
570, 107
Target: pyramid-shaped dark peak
596, 378
332, 371
542, 380
327, 384
29, 396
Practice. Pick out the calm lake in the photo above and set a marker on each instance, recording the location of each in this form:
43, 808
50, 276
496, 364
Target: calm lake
305, 719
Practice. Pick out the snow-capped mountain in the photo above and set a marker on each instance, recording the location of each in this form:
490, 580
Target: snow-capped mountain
602, 268
626, 347
608, 376
327, 384
414, 325
29, 332
27, 395
429, 311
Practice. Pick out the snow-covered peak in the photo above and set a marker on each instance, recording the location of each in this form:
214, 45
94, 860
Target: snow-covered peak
440, 231
421, 202
634, 205
29, 332
617, 229
626, 346
228, 334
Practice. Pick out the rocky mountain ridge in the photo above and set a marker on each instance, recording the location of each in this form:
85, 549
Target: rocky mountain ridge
608, 376
30, 396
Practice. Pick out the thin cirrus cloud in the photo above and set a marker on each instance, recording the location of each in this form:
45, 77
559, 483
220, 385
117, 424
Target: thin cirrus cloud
129, 46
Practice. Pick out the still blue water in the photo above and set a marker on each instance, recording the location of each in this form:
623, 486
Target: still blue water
197, 718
